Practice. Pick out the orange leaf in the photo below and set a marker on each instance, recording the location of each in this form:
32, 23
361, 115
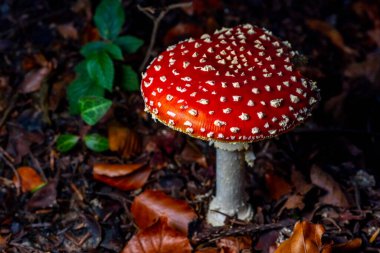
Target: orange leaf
306, 238
150, 205
331, 33
158, 238
125, 177
276, 185
235, 244
115, 170
30, 179
349, 246
123, 140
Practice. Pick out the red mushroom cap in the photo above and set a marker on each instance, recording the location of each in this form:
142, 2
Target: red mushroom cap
236, 85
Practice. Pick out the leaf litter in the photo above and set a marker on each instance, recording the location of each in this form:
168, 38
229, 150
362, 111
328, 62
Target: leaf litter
325, 171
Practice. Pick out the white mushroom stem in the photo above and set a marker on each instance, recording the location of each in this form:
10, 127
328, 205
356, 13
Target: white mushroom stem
231, 198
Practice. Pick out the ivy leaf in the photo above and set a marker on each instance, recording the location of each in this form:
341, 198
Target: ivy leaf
66, 142
109, 18
130, 81
129, 44
96, 142
101, 70
82, 86
92, 109
112, 49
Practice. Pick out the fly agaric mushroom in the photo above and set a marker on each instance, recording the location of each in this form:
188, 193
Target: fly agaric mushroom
231, 88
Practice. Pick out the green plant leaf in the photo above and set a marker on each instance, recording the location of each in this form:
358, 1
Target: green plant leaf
130, 81
82, 86
66, 142
129, 44
96, 142
109, 18
94, 47
92, 109
101, 70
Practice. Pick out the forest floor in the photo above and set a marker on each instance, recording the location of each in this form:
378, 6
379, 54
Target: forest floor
325, 171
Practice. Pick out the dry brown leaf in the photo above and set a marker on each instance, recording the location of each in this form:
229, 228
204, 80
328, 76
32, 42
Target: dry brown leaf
369, 68
301, 186
349, 246
294, 201
207, 250
276, 185
306, 238
34, 79
150, 205
191, 153
335, 196
234, 244
115, 170
30, 179
330, 32
68, 31
125, 177
123, 140
158, 238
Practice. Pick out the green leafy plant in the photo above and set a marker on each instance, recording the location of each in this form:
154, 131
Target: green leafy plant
94, 142
95, 75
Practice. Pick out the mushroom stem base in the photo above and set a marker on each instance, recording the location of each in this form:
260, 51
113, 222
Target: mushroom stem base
231, 198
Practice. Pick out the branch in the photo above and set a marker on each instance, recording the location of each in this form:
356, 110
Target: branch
148, 11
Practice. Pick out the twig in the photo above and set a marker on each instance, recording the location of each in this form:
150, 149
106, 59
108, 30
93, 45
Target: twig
212, 234
9, 160
148, 11
9, 109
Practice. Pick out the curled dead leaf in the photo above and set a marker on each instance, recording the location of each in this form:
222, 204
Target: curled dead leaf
306, 238
122, 176
123, 140
276, 185
335, 196
150, 205
158, 238
68, 31
235, 244
30, 179
34, 79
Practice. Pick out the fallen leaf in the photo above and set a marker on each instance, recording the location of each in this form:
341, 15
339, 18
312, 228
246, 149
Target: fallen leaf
369, 68
123, 140
124, 177
349, 246
46, 197
298, 181
335, 196
58, 91
115, 170
306, 238
234, 244
30, 179
294, 201
158, 238
276, 185
34, 79
68, 31
191, 153
207, 250
331, 33
150, 205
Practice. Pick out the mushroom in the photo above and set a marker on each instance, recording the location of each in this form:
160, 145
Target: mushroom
231, 88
